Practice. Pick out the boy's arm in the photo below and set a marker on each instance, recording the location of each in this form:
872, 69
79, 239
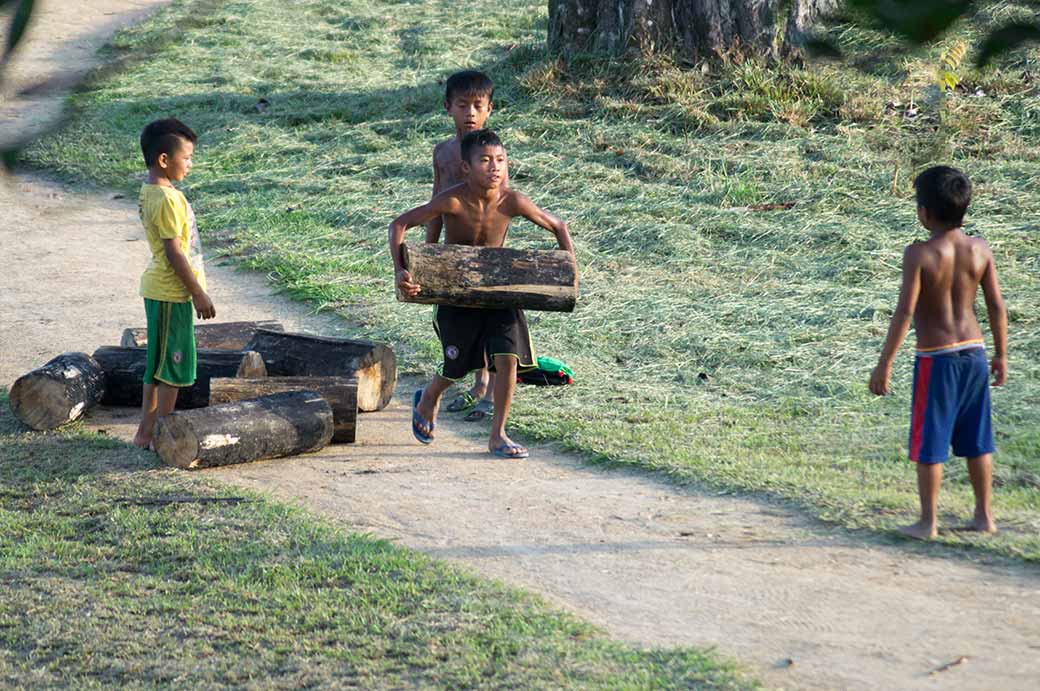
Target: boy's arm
529, 210
433, 228
997, 322
182, 267
901, 319
439, 205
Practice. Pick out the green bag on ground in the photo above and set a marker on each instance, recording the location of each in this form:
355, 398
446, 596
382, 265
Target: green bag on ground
549, 372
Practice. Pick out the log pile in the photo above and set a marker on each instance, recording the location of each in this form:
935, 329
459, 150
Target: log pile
259, 392
341, 393
124, 371
374, 365
223, 336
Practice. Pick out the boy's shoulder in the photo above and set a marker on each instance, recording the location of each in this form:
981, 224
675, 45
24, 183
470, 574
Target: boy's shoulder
446, 147
161, 193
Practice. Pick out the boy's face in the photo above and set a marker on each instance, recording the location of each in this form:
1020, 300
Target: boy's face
488, 166
469, 111
177, 164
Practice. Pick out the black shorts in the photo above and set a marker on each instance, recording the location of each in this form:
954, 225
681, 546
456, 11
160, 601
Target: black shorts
472, 337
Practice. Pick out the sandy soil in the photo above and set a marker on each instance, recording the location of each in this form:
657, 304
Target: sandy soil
649, 562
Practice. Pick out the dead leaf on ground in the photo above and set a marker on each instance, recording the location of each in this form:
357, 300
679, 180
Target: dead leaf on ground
949, 665
775, 206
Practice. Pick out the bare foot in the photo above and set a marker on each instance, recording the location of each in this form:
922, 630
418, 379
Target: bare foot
979, 524
142, 442
920, 531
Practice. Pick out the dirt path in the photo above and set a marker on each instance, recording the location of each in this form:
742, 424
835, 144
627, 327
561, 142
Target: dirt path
647, 561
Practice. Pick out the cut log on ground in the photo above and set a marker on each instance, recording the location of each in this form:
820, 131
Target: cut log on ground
124, 373
282, 424
339, 392
374, 365
59, 392
492, 277
223, 336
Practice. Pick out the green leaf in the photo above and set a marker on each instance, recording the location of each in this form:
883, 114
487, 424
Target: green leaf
1007, 38
22, 15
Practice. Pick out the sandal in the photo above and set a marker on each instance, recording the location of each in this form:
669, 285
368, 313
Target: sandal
503, 451
418, 422
481, 411
464, 401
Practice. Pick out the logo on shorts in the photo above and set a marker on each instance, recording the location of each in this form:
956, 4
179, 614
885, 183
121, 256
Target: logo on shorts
177, 357
452, 352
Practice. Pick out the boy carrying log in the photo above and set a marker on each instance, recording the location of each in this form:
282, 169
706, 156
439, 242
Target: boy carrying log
468, 100
476, 212
951, 402
175, 280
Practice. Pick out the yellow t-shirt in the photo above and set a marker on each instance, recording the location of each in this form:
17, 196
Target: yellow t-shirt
166, 215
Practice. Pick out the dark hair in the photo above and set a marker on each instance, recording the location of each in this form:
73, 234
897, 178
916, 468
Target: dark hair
945, 192
469, 82
164, 137
475, 140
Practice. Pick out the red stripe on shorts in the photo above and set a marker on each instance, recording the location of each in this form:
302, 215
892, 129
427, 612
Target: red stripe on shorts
924, 376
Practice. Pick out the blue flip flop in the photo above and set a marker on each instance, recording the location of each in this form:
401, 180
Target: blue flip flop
503, 451
417, 419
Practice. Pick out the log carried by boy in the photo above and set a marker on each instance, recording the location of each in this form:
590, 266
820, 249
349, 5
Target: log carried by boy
491, 277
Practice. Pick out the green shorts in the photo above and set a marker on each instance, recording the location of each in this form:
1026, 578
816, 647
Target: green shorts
171, 343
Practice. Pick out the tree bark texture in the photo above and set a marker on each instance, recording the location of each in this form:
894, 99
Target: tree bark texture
124, 373
492, 277
58, 392
282, 424
224, 336
694, 29
339, 392
374, 365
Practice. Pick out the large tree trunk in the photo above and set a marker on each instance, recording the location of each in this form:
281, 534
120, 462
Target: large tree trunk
374, 365
492, 277
223, 335
58, 392
282, 424
124, 373
694, 29
339, 392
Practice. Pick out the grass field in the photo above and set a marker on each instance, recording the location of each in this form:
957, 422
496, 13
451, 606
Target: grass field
715, 340
118, 573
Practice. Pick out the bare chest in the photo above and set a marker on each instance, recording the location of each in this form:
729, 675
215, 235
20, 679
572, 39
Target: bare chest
476, 225
449, 168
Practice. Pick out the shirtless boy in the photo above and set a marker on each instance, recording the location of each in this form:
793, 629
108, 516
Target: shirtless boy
476, 212
468, 100
951, 403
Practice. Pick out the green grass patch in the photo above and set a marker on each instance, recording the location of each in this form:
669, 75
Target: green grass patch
118, 573
722, 342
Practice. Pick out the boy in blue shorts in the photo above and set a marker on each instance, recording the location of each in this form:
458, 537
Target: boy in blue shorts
174, 281
951, 403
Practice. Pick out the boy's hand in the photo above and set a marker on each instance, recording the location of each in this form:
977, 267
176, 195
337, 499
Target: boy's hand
203, 306
879, 379
405, 284
998, 367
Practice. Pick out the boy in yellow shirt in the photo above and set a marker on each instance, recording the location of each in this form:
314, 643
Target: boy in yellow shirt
175, 279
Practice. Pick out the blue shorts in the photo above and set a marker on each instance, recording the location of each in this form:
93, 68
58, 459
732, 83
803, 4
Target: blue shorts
950, 406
